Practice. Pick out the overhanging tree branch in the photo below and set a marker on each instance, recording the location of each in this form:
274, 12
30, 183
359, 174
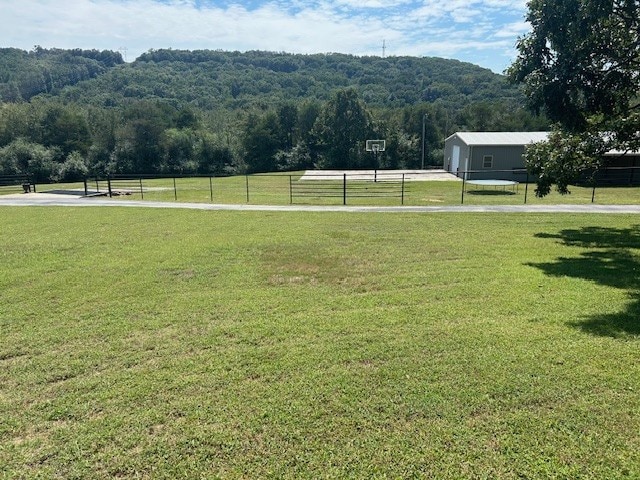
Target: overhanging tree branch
580, 64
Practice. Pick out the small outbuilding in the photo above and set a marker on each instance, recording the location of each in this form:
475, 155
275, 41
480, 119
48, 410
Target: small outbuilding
499, 156
489, 155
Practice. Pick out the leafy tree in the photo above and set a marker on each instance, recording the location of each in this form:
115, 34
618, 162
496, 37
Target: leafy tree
66, 129
341, 130
177, 151
580, 66
103, 125
308, 112
288, 122
402, 150
74, 167
214, 158
27, 158
413, 120
186, 118
138, 144
17, 121
261, 142
297, 158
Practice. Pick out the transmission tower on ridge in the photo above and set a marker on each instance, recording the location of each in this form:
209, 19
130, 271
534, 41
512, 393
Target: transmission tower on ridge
123, 50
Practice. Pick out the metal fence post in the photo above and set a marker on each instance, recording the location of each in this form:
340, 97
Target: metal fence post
141, 191
109, 186
526, 188
402, 192
464, 178
344, 189
291, 189
246, 177
86, 187
211, 188
175, 190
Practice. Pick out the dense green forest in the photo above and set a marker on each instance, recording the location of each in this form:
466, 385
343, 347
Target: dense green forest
68, 113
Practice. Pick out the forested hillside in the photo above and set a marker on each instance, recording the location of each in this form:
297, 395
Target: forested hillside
26, 74
65, 113
212, 79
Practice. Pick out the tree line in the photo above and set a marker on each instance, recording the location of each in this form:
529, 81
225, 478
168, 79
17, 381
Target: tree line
57, 141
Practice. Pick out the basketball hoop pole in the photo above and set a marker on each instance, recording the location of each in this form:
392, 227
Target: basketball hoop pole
375, 162
375, 146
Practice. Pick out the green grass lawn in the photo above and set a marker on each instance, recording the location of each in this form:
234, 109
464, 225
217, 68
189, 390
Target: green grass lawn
142, 343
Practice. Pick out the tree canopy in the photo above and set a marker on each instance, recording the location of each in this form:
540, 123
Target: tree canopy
580, 65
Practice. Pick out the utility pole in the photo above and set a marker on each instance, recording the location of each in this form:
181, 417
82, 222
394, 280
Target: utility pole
384, 47
424, 127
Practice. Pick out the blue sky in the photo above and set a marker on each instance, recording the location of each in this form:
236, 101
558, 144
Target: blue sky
483, 32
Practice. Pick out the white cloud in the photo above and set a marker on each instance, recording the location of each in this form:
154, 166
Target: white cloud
513, 30
375, 4
410, 27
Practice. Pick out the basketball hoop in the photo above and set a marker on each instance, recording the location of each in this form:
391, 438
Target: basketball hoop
375, 146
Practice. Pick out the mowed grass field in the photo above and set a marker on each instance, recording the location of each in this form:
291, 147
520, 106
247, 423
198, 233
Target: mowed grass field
141, 343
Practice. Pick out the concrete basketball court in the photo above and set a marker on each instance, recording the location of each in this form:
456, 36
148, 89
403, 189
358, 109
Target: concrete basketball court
434, 175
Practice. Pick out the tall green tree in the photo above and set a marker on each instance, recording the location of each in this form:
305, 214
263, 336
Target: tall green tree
341, 130
580, 64
73, 168
138, 140
27, 158
18, 121
308, 112
103, 125
65, 128
214, 157
261, 142
288, 123
178, 148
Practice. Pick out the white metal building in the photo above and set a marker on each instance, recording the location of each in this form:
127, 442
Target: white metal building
489, 155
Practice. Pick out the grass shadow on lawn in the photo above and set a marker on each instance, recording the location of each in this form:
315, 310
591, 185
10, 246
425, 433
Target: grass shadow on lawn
611, 259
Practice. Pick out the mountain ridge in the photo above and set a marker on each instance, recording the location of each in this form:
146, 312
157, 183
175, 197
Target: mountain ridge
213, 79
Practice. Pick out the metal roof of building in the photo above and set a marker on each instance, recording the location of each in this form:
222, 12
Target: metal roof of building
500, 138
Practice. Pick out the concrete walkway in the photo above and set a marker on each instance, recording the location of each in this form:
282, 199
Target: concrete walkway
53, 200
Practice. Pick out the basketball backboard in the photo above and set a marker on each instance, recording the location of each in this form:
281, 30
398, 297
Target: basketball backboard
375, 145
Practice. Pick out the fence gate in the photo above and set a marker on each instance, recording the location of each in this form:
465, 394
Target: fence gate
374, 185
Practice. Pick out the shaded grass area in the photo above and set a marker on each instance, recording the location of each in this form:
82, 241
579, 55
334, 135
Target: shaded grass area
162, 344
277, 190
